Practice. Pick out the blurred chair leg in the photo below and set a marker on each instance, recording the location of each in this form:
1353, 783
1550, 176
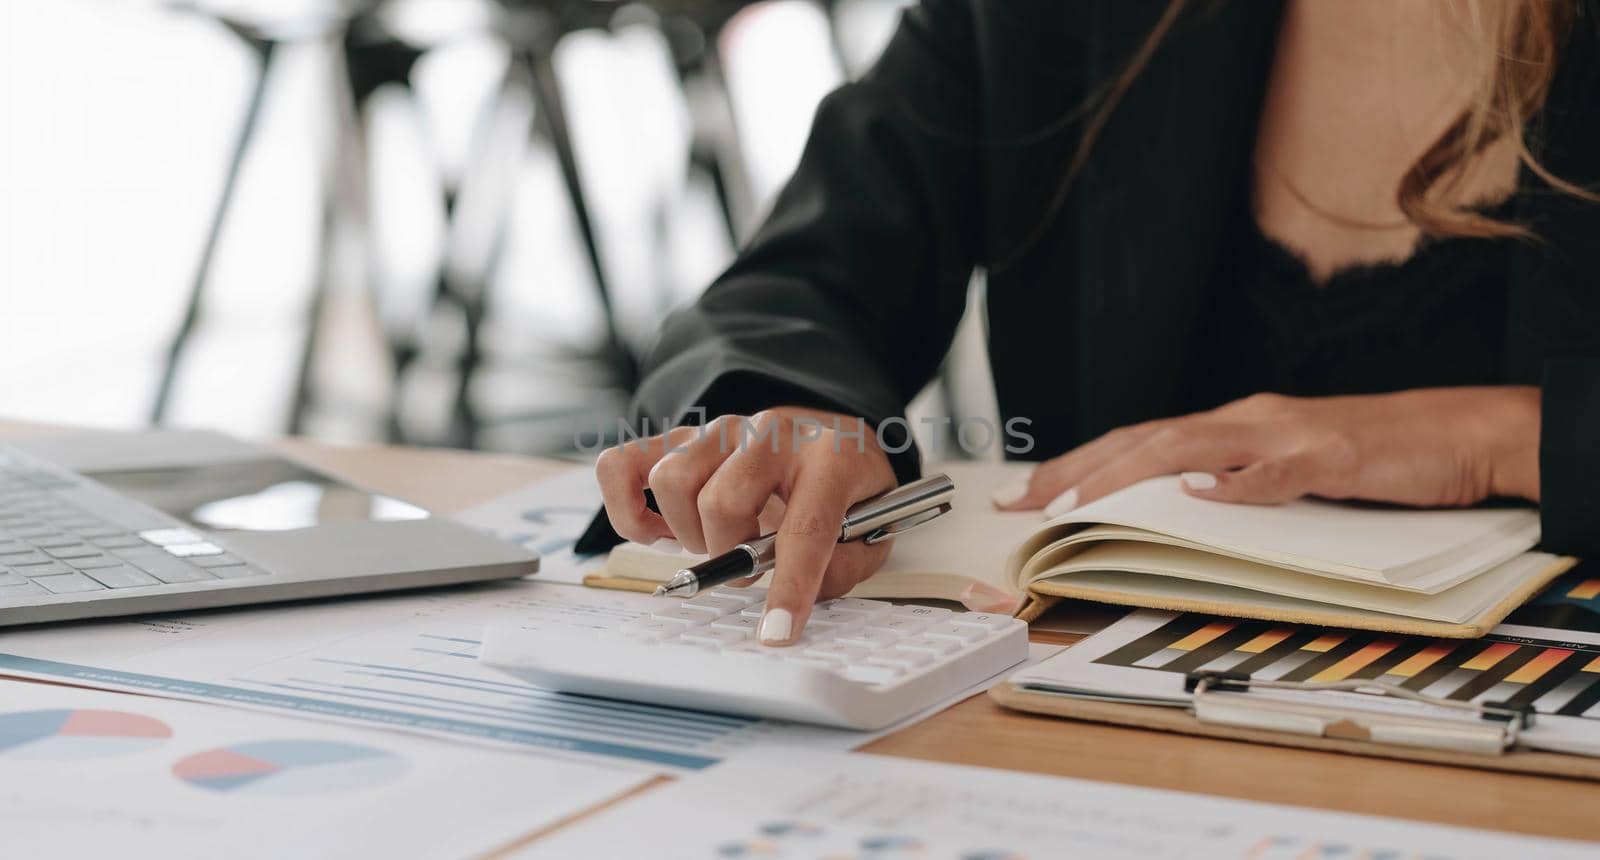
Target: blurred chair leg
341, 189
264, 50
468, 287
715, 146
551, 118
375, 59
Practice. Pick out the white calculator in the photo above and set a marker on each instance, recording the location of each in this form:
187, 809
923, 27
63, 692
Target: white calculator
860, 664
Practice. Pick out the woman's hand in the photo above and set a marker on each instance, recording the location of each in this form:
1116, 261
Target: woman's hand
1438, 447
713, 482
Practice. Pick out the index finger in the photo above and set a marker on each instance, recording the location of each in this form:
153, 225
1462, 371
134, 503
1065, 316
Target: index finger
806, 541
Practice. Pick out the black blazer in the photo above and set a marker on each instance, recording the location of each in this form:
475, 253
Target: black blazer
945, 157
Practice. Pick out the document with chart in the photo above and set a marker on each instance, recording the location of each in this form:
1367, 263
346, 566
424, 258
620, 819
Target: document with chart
405, 662
546, 517
832, 807
95, 774
1145, 657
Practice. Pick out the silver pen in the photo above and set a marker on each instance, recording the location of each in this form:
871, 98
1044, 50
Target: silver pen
872, 520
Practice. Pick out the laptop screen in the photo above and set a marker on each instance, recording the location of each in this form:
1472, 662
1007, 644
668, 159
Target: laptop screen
266, 494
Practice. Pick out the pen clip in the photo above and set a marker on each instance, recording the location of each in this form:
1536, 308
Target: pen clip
879, 535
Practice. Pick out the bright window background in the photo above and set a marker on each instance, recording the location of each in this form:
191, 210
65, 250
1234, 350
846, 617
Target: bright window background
116, 120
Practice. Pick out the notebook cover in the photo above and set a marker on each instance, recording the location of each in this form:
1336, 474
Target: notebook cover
1183, 722
1045, 593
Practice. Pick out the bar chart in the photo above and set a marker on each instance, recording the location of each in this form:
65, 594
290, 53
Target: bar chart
1554, 678
1572, 602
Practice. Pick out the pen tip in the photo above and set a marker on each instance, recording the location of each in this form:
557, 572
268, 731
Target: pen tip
661, 591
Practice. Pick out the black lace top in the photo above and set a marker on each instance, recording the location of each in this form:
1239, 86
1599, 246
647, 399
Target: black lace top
1436, 319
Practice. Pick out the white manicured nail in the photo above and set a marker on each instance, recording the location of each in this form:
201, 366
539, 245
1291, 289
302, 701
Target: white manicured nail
667, 545
1062, 503
775, 626
1011, 493
1199, 480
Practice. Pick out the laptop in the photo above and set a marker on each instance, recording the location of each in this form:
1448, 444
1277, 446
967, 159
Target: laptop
96, 524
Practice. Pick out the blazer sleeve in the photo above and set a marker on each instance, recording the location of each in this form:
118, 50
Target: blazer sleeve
848, 296
1569, 457
1562, 312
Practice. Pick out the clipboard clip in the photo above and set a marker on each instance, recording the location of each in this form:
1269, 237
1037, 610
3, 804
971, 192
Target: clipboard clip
1496, 730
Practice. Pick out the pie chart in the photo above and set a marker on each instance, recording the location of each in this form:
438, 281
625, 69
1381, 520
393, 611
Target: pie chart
77, 734
289, 767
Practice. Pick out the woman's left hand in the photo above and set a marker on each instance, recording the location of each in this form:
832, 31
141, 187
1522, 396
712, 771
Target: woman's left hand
1436, 447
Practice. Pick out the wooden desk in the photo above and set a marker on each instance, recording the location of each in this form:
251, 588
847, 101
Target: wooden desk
979, 733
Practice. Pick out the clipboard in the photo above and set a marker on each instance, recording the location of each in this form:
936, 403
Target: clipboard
1490, 745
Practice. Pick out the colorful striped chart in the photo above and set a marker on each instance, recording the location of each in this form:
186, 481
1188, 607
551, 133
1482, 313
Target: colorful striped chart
1562, 679
77, 734
289, 767
1572, 602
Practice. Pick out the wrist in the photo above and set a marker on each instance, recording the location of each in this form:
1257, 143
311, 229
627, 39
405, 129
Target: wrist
1514, 445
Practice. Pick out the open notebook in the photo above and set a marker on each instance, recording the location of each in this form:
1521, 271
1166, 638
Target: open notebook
1452, 573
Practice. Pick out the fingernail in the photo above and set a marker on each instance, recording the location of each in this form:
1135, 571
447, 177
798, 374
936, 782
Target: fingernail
982, 597
667, 545
1199, 480
775, 626
1062, 503
1011, 493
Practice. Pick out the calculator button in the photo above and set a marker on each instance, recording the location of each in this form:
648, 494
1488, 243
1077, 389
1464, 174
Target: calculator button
751, 648
844, 651
870, 637
986, 620
654, 627
692, 617
856, 604
32, 556
934, 644
902, 624
717, 636
716, 603
745, 596
94, 561
10, 547
7, 578
838, 617
736, 622
754, 610
930, 612
900, 657
69, 583
962, 632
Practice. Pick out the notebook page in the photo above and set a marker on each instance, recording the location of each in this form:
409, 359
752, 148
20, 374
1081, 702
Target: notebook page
1369, 543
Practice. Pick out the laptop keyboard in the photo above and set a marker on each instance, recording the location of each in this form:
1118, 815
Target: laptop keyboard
50, 546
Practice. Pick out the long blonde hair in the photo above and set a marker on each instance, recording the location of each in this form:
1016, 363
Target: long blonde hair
1515, 47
